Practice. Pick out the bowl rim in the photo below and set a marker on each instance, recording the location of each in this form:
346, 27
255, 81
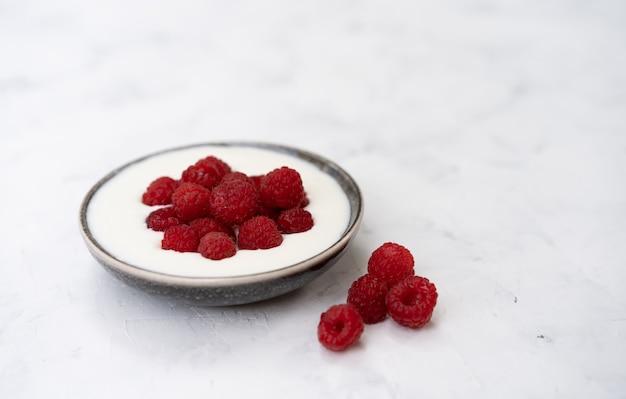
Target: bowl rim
356, 216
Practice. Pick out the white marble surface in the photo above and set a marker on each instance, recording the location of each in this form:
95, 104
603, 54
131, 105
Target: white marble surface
489, 137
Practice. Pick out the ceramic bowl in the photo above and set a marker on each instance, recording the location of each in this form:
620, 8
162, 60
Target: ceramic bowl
113, 226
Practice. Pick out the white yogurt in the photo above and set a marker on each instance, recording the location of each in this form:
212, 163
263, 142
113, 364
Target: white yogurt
116, 216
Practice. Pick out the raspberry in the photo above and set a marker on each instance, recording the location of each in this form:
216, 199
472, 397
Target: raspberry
203, 226
305, 201
257, 179
411, 301
236, 176
282, 188
160, 191
294, 220
162, 218
207, 172
367, 294
191, 201
259, 232
215, 163
181, 238
391, 263
264, 210
234, 201
217, 245
339, 327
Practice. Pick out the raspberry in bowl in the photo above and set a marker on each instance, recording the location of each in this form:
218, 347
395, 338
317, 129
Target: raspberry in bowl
125, 226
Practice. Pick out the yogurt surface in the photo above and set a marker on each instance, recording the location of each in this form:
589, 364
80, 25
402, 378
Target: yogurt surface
116, 216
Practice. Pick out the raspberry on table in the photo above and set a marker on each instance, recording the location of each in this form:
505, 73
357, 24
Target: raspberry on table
209, 224
217, 245
162, 218
282, 188
234, 201
191, 201
391, 263
181, 238
339, 327
367, 294
411, 301
294, 220
207, 172
259, 232
159, 191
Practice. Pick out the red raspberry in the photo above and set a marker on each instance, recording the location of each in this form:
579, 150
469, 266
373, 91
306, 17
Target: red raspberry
217, 245
264, 210
282, 188
191, 201
259, 232
234, 201
257, 179
160, 191
367, 294
181, 238
236, 176
294, 220
305, 201
208, 225
219, 165
391, 263
162, 218
207, 172
339, 327
411, 301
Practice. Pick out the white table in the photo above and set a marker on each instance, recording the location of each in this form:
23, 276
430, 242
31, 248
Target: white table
489, 137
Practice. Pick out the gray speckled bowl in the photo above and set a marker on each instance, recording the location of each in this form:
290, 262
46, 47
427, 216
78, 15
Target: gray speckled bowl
237, 289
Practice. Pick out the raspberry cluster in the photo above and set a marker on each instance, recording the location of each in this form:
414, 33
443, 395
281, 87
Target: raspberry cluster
389, 288
216, 211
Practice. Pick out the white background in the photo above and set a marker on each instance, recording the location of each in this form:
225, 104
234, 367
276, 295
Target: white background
488, 137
